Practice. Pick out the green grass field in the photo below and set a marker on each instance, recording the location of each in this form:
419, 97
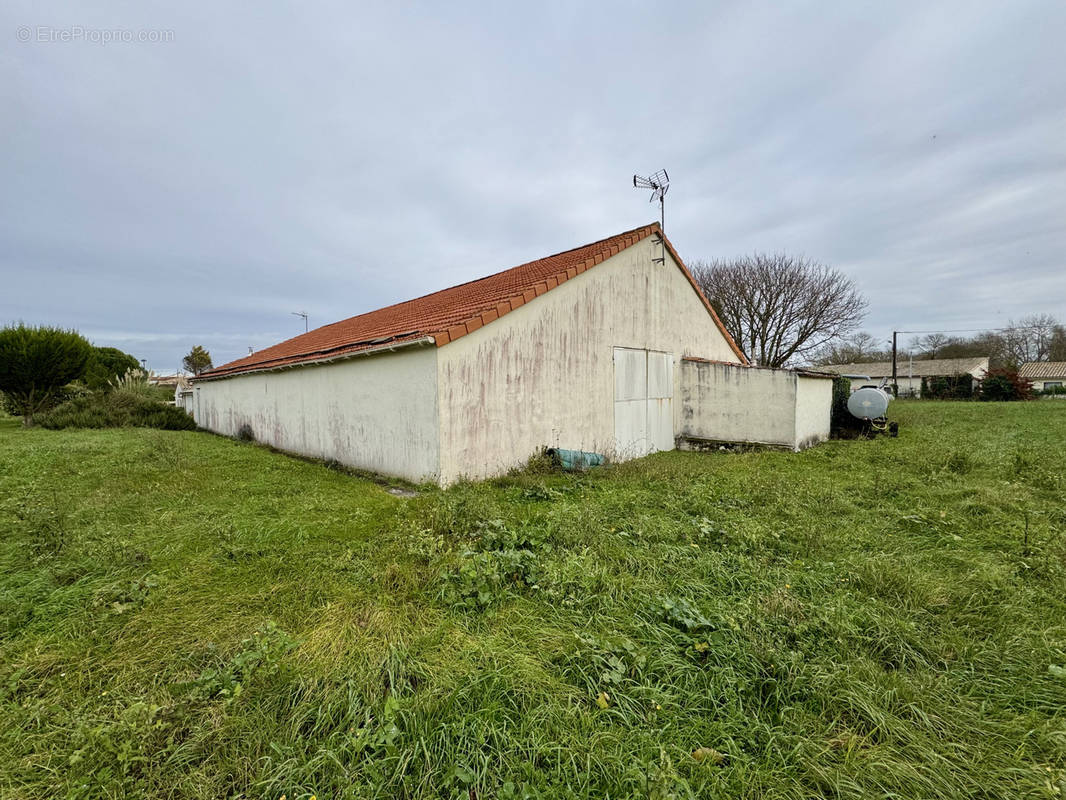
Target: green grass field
186, 616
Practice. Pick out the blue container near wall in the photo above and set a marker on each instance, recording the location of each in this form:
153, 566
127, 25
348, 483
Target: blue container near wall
574, 459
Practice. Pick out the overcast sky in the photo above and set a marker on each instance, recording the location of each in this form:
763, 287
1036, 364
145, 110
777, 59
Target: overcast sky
249, 160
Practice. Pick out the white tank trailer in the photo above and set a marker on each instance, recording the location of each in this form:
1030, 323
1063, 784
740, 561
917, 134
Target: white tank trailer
870, 404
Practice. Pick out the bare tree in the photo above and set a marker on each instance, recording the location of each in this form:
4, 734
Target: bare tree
1035, 337
988, 343
781, 308
930, 345
1029, 339
855, 349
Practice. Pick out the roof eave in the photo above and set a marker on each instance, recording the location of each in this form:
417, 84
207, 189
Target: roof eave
420, 342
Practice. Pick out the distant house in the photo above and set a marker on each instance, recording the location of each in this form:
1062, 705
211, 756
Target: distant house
167, 380
1044, 374
910, 373
591, 349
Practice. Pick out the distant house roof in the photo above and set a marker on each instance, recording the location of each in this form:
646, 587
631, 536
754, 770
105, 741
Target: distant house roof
1043, 369
926, 368
167, 380
446, 315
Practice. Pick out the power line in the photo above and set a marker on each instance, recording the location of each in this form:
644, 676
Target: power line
979, 330
895, 337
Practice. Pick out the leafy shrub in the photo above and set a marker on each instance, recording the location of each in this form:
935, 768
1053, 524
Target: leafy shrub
1004, 385
481, 579
106, 364
35, 363
842, 424
117, 409
681, 614
72, 390
841, 393
540, 463
951, 387
494, 534
500, 559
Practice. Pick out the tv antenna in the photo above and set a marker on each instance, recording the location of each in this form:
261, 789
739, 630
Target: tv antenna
304, 315
658, 183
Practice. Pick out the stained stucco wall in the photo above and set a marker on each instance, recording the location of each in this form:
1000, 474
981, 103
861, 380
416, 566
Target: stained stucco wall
724, 403
375, 412
543, 375
738, 404
814, 400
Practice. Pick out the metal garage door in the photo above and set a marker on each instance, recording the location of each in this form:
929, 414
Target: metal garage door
643, 402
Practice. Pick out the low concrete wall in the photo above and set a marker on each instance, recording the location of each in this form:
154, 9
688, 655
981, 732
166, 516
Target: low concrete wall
814, 402
752, 405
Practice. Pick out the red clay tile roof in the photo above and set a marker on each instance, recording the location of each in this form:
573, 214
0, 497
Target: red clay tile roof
450, 313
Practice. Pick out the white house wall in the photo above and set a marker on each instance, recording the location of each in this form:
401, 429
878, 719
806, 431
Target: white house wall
908, 386
1039, 384
543, 374
374, 412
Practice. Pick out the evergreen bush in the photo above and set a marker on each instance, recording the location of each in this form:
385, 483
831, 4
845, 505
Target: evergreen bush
118, 408
1004, 385
36, 363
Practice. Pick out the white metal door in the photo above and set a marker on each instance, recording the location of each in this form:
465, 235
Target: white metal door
660, 401
643, 402
630, 403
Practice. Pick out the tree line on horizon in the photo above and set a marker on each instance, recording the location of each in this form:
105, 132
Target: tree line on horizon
787, 310
1035, 337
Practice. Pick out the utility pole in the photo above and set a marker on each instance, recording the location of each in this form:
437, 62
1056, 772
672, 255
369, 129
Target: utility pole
895, 382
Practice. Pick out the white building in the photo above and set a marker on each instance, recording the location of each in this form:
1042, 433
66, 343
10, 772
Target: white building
911, 372
1044, 374
581, 350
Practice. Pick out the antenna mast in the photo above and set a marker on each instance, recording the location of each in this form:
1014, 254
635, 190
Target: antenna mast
658, 183
301, 314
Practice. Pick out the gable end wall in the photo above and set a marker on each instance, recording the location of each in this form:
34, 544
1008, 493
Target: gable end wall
543, 375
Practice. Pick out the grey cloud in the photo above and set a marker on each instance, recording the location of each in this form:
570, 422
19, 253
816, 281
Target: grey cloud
272, 159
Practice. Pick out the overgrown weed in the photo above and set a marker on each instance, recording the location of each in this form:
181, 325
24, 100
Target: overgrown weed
865, 618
